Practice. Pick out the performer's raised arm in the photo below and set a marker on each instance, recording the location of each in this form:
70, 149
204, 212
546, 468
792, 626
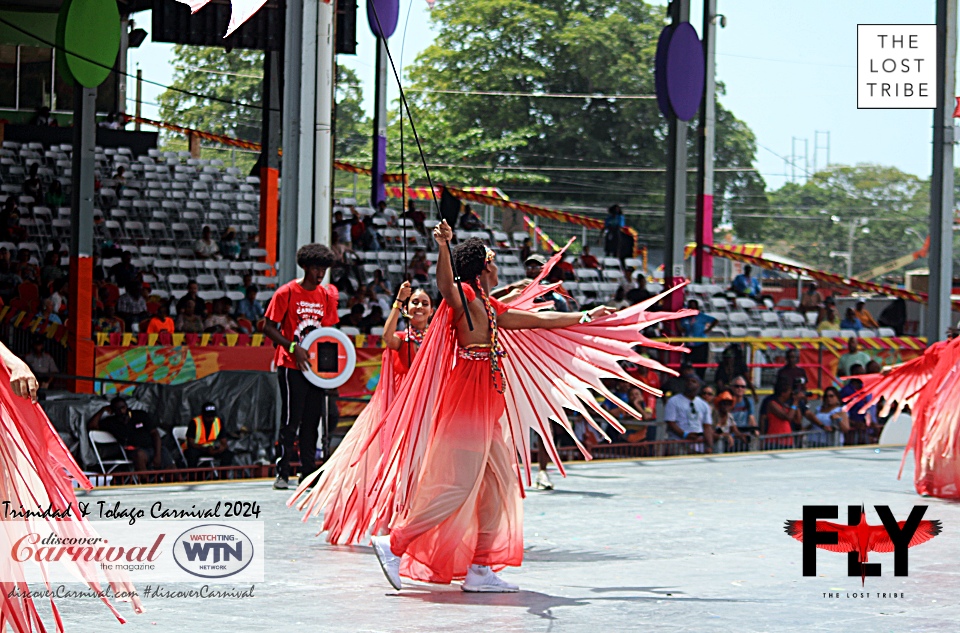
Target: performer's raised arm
390, 337
523, 320
445, 282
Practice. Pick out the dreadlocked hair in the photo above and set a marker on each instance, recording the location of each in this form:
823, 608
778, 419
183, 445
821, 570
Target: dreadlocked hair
315, 255
470, 256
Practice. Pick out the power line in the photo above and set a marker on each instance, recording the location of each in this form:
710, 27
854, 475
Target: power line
534, 95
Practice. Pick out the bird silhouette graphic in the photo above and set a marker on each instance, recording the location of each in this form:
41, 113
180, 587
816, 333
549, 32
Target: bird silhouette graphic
862, 537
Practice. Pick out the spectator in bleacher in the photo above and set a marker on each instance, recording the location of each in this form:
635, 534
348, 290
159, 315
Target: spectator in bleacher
355, 318
108, 322
675, 384
51, 270
731, 365
850, 321
32, 185
894, 316
248, 307
416, 217
219, 320
611, 231
619, 300
205, 247
640, 292
132, 307
10, 229
724, 423
861, 420
828, 418
864, 315
419, 268
811, 300
698, 326
745, 285
854, 356
193, 294
161, 321
9, 282
206, 438
120, 176
136, 431
341, 228
55, 197
791, 371
59, 296
688, 416
588, 260
469, 221
229, 246
743, 407
526, 249
48, 314
781, 412
110, 122
42, 117
386, 213
379, 284
42, 363
830, 319
244, 284
374, 319
564, 266
26, 269
188, 321
124, 273
709, 394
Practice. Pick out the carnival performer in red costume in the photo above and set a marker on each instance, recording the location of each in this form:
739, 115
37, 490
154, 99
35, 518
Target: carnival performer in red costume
929, 385
342, 494
462, 418
37, 468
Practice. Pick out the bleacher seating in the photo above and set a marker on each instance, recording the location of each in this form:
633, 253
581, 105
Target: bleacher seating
157, 214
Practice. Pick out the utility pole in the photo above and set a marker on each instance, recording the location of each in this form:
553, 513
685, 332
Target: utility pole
706, 141
941, 182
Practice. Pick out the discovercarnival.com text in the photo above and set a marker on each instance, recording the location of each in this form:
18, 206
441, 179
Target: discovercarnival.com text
149, 591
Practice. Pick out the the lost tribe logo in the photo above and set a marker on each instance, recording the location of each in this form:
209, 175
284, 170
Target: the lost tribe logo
857, 539
213, 551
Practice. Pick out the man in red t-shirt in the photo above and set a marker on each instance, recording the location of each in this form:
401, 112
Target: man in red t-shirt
296, 309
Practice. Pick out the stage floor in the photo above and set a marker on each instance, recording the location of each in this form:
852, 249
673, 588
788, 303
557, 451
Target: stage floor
687, 544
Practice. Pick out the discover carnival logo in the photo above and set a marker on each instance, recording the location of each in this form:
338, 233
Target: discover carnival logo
213, 551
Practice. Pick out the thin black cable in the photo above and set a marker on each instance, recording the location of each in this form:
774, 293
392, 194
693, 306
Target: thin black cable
117, 71
423, 159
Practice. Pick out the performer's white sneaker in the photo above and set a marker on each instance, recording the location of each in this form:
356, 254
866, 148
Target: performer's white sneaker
389, 562
543, 481
482, 579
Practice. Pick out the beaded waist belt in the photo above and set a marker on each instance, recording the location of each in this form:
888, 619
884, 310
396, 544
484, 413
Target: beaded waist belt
474, 352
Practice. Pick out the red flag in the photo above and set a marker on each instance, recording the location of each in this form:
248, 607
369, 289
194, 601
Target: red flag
956, 111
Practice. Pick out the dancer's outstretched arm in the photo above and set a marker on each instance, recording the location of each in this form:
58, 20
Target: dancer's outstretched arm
524, 320
22, 380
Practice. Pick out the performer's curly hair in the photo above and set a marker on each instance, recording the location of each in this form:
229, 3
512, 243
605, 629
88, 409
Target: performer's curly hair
315, 255
470, 256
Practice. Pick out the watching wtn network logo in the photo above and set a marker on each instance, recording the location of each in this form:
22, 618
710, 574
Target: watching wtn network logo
213, 551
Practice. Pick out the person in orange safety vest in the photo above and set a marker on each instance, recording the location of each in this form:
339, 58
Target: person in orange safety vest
205, 438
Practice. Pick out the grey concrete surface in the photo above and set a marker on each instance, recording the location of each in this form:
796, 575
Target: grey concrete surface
689, 544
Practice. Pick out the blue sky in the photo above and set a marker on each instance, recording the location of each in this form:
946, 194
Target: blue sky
789, 70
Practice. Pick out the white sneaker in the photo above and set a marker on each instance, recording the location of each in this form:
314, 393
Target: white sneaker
543, 481
389, 562
482, 579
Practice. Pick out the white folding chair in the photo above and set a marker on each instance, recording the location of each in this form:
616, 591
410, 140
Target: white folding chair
103, 438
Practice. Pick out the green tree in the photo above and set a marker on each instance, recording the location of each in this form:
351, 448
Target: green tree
590, 151
233, 78
874, 204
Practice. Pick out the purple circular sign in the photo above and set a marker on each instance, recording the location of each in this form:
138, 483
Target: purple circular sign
660, 71
685, 71
388, 11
